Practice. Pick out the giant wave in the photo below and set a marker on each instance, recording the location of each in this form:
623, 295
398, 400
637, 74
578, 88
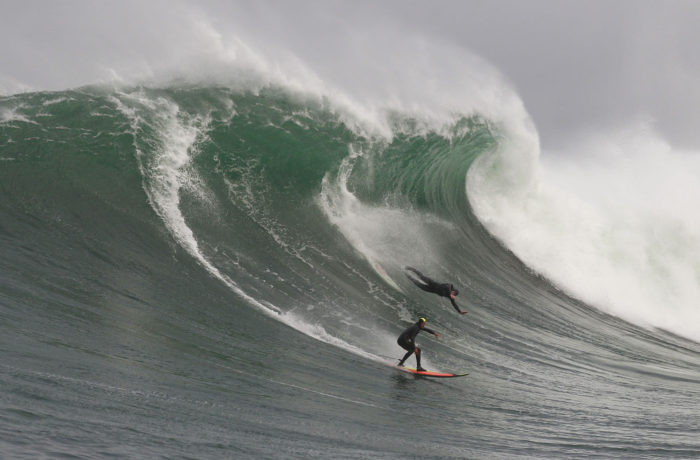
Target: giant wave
172, 244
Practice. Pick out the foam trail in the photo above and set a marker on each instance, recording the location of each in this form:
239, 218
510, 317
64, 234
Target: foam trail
165, 175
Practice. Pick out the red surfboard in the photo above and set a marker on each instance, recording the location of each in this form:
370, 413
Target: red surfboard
429, 373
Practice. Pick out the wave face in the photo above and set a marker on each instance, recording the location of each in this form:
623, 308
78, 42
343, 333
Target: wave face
206, 272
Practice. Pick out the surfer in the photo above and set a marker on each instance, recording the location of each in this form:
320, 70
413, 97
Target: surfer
407, 341
441, 289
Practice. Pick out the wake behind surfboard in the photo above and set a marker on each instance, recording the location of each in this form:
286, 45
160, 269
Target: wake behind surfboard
411, 370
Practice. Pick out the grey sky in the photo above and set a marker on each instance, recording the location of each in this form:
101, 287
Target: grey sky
576, 64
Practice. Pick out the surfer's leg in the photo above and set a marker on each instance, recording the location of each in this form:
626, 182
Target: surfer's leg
419, 284
429, 283
424, 286
418, 366
405, 357
409, 347
423, 278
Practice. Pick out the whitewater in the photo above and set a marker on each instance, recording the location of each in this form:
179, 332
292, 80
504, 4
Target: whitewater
208, 262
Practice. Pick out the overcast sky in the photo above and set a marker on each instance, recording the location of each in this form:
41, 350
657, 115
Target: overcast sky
576, 65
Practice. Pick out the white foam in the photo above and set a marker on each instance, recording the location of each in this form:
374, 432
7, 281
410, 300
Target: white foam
10, 114
168, 172
614, 222
372, 229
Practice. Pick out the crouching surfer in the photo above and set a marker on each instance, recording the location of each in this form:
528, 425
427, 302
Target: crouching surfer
407, 341
441, 289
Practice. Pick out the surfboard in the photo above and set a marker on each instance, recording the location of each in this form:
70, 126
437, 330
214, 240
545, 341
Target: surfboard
414, 371
385, 276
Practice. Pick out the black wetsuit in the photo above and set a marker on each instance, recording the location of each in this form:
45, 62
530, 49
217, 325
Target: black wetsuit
407, 341
429, 285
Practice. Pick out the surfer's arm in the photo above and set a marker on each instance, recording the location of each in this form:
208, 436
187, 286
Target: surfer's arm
430, 331
454, 304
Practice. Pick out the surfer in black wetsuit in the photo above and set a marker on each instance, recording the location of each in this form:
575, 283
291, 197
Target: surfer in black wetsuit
407, 341
441, 289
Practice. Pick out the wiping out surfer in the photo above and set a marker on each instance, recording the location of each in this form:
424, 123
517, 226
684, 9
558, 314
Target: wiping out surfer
441, 289
407, 341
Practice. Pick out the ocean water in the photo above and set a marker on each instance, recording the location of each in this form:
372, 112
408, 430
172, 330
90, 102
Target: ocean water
198, 271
